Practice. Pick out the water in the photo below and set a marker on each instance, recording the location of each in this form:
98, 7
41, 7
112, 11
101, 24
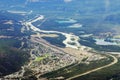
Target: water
103, 42
66, 21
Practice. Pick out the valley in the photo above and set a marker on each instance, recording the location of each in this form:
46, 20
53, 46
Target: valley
57, 57
59, 40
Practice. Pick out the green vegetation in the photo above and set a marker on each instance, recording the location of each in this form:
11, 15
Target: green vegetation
112, 72
11, 58
58, 41
71, 43
41, 57
77, 68
72, 39
9, 42
91, 43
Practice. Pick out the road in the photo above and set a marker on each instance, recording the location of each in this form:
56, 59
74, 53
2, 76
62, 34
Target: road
66, 40
96, 69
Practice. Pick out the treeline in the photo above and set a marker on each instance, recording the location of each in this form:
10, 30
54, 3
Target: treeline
91, 43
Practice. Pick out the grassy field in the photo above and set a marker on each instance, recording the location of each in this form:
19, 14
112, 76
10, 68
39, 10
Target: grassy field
41, 57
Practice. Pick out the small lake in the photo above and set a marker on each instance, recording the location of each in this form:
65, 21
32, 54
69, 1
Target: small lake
66, 21
103, 42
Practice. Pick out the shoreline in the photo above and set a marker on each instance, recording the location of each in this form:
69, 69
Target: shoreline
68, 36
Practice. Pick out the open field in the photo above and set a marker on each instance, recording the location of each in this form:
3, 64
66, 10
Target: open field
41, 57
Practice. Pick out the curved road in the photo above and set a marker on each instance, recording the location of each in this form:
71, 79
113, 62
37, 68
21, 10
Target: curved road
29, 23
93, 70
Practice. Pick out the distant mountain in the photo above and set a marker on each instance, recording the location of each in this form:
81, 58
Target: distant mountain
75, 6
